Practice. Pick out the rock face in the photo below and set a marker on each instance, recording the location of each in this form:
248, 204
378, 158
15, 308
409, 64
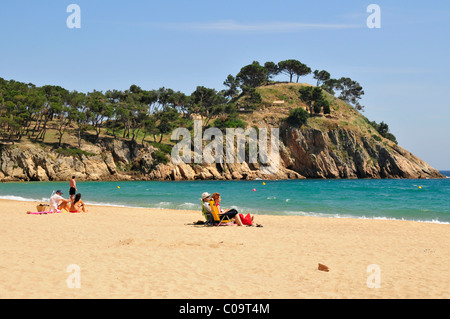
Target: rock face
341, 153
304, 153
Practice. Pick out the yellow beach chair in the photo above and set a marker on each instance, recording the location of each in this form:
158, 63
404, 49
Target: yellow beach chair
219, 219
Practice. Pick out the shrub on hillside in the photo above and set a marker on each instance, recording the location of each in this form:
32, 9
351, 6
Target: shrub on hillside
297, 117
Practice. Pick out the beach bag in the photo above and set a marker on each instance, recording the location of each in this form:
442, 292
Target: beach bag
42, 207
247, 220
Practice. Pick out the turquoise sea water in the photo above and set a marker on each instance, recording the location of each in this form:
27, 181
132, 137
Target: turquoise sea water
420, 200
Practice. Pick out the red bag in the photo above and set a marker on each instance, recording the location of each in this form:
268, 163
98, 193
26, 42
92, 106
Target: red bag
247, 220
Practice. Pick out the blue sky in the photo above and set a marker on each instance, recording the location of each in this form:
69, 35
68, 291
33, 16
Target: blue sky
403, 67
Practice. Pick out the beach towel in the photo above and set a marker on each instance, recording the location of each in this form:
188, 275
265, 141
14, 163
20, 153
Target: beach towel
44, 213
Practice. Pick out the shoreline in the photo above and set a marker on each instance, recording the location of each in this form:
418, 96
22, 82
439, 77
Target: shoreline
144, 253
303, 214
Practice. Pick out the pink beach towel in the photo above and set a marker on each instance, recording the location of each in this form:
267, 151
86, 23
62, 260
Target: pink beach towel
44, 213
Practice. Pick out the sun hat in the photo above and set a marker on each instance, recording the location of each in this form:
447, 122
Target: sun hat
205, 195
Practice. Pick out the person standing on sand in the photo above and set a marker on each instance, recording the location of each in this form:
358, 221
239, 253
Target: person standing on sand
73, 188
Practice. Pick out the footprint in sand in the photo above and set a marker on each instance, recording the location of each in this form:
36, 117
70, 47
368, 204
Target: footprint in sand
126, 242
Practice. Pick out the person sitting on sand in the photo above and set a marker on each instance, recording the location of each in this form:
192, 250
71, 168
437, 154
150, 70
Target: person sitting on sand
206, 197
230, 213
77, 206
57, 202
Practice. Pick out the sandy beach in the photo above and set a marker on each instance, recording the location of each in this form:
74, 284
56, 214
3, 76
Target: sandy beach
115, 252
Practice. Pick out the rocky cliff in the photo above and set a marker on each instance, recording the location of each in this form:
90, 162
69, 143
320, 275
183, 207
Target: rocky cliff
341, 153
304, 153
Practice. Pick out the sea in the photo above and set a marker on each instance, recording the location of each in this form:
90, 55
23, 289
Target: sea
423, 200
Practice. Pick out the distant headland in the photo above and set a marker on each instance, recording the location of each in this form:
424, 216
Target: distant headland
49, 133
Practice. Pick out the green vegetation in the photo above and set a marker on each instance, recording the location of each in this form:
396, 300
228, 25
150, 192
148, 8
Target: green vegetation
53, 115
383, 130
161, 153
314, 99
297, 117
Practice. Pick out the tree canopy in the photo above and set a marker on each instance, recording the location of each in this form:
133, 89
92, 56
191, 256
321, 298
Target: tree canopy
293, 68
252, 75
314, 99
29, 110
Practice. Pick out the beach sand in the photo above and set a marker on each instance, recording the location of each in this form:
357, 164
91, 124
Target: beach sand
152, 253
